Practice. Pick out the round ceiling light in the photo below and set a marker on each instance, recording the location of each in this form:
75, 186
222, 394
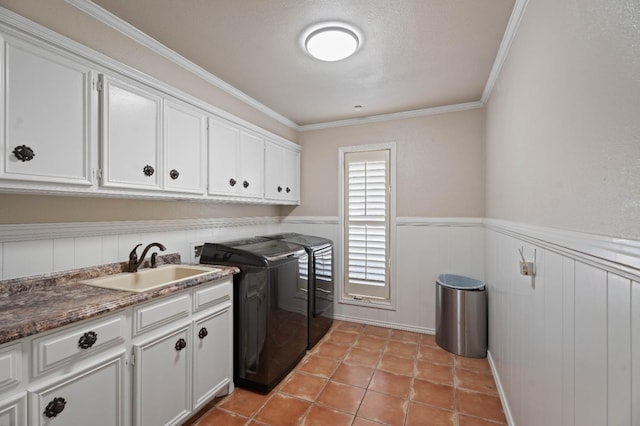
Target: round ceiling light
331, 43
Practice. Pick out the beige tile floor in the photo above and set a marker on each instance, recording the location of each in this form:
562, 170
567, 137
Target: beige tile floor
363, 375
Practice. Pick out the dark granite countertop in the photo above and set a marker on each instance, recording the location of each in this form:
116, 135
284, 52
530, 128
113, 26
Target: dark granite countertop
35, 304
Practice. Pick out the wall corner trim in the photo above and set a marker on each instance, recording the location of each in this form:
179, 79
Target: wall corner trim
503, 51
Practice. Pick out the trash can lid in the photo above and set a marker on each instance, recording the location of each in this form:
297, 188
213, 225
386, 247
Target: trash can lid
459, 282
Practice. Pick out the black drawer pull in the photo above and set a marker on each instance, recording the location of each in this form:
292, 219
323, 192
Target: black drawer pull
180, 344
245, 184
279, 189
55, 407
87, 340
288, 190
23, 153
148, 170
173, 174
203, 333
232, 182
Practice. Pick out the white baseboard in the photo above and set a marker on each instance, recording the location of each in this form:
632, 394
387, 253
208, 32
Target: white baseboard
386, 324
501, 393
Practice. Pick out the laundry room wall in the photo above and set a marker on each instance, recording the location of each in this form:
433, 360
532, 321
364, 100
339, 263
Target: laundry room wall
440, 203
563, 179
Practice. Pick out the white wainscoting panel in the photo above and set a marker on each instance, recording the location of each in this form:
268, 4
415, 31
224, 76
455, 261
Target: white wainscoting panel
56, 247
590, 345
635, 353
619, 350
563, 345
24, 258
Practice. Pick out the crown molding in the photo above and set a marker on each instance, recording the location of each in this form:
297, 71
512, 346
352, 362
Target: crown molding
107, 18
509, 35
393, 116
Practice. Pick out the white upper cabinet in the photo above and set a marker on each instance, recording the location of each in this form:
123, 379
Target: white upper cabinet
251, 164
45, 117
130, 136
185, 148
236, 161
282, 173
75, 123
223, 151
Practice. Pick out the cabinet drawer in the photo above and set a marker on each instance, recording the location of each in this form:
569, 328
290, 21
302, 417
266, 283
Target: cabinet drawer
10, 366
155, 314
212, 294
53, 350
94, 396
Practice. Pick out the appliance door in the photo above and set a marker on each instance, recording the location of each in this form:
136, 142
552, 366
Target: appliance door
322, 294
272, 329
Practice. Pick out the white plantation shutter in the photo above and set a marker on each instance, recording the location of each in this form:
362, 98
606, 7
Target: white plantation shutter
367, 223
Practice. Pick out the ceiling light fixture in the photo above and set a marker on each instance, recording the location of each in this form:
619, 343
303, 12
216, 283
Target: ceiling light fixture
332, 43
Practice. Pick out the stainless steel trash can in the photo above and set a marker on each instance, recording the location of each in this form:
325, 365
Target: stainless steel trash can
461, 315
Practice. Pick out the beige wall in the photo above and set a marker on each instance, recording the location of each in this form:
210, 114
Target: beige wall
64, 19
563, 127
440, 164
15, 209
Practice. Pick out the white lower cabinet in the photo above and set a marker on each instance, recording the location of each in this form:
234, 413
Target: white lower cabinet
156, 363
13, 412
183, 364
162, 378
90, 397
212, 360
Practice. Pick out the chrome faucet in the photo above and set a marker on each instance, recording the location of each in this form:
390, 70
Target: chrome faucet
133, 256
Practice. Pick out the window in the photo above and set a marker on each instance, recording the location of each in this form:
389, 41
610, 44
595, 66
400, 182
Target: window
367, 214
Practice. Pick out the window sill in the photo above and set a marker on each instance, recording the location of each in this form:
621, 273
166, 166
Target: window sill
369, 303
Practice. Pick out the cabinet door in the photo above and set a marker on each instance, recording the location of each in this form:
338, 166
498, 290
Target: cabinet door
93, 397
162, 390
251, 165
224, 178
185, 148
281, 172
46, 113
273, 169
13, 412
213, 368
131, 131
291, 174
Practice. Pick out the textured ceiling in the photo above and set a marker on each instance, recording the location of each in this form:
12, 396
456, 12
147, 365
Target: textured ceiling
415, 54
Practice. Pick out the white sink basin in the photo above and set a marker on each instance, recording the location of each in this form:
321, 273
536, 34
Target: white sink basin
148, 279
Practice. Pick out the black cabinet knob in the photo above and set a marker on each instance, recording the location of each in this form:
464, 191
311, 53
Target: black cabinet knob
245, 184
87, 340
203, 333
55, 407
288, 190
279, 189
232, 182
148, 170
180, 344
23, 153
173, 174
